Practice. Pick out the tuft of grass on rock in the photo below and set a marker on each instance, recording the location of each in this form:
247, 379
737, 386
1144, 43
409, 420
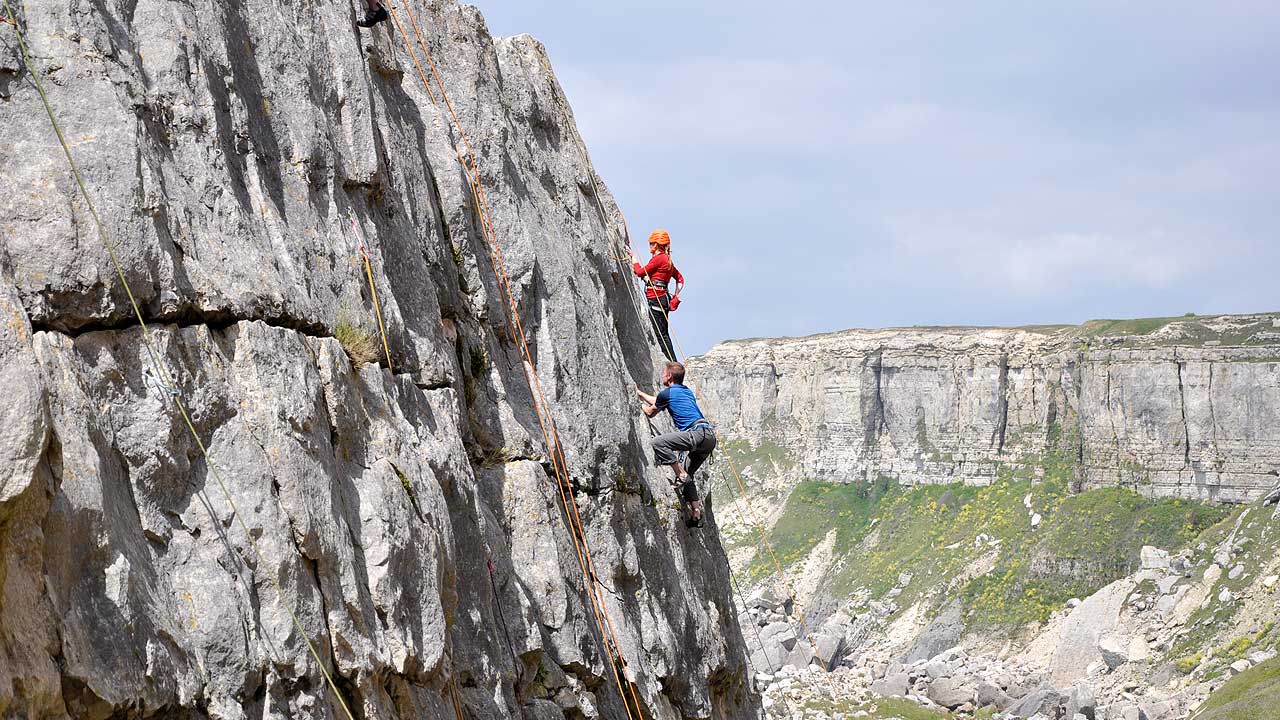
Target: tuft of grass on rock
1186, 665
358, 339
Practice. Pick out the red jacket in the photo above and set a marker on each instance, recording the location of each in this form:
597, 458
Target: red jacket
660, 270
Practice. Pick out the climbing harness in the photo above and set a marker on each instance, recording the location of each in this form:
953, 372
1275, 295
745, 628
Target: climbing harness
368, 268
151, 349
835, 694
541, 407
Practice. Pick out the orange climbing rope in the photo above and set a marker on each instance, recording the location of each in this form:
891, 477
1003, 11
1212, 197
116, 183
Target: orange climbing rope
750, 508
546, 421
649, 282
396, 18
162, 369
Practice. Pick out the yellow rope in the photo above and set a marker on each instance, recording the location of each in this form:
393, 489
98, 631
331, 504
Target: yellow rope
396, 18
382, 330
161, 368
378, 310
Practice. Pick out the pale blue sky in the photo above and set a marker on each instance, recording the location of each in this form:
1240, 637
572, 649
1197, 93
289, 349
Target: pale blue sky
835, 165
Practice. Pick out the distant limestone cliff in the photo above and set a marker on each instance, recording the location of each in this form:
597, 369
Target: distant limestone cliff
1034, 523
1186, 407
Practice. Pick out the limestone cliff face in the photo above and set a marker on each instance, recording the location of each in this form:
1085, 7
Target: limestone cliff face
1187, 407
408, 515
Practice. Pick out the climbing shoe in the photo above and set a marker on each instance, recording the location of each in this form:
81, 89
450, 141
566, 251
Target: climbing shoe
373, 18
694, 522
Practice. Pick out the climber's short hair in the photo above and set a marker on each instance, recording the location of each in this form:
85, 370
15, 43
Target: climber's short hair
676, 371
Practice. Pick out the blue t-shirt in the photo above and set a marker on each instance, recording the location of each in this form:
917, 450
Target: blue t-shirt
680, 402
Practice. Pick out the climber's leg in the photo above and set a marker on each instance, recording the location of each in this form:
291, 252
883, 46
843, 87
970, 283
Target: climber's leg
705, 444
377, 13
665, 449
658, 316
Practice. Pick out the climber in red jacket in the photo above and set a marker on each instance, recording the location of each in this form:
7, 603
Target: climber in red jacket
658, 275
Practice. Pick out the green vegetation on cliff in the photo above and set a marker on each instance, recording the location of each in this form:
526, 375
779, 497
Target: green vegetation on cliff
980, 543
1253, 693
1188, 330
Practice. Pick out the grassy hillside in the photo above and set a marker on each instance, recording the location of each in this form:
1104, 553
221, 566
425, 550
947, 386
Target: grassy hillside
1251, 695
979, 543
1187, 330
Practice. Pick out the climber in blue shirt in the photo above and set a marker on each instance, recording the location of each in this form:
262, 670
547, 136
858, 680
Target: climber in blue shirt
694, 434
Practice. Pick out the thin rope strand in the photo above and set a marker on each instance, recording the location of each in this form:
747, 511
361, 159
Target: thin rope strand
152, 351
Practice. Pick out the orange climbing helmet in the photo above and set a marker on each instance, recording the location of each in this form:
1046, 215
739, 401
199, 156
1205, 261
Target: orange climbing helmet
660, 238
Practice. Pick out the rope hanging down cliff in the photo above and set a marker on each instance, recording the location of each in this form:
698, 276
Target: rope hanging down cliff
546, 421
624, 241
750, 507
154, 354
368, 268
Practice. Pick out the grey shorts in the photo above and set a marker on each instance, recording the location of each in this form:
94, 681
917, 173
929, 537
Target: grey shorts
699, 441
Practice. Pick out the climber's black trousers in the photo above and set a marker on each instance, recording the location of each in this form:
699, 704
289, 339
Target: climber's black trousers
658, 309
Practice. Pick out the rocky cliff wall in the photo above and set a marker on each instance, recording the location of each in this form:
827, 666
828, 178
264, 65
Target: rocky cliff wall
409, 515
1176, 407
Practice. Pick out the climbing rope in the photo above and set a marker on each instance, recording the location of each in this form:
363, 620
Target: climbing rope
546, 421
624, 240
729, 460
755, 628
835, 693
750, 509
396, 18
455, 694
154, 353
368, 268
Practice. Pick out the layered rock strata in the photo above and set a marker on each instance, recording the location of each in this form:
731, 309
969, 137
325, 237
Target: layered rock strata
1191, 409
406, 512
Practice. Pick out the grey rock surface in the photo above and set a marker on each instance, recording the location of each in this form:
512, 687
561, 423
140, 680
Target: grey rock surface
1162, 412
226, 146
1044, 701
990, 695
892, 685
950, 692
943, 632
1085, 633
1082, 701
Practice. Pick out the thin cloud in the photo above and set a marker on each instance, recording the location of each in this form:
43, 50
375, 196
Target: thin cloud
844, 165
